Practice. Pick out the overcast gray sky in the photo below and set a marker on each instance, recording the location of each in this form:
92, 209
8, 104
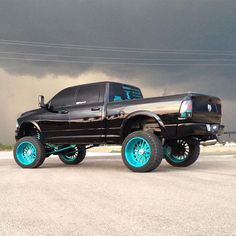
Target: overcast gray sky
192, 34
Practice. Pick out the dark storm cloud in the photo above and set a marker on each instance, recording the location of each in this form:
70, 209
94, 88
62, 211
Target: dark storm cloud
166, 24
160, 24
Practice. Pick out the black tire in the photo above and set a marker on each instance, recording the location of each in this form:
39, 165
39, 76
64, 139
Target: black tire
142, 151
29, 152
73, 158
181, 153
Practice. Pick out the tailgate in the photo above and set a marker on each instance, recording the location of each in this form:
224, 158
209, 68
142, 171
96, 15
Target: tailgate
206, 109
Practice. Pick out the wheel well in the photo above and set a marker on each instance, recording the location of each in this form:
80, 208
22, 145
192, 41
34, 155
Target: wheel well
140, 122
27, 129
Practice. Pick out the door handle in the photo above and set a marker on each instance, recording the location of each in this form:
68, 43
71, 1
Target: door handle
95, 109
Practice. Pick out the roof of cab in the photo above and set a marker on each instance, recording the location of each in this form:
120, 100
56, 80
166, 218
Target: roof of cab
102, 82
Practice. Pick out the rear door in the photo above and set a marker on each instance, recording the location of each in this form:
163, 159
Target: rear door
87, 116
118, 93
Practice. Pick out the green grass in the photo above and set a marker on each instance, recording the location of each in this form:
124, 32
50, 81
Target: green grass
115, 151
5, 147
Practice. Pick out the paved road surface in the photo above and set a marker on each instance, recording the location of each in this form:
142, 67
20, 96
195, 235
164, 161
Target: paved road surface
102, 197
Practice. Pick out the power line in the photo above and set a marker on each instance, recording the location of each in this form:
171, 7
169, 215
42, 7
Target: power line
114, 58
118, 49
110, 47
117, 63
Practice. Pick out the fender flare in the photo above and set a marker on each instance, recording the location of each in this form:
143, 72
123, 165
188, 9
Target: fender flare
33, 123
148, 114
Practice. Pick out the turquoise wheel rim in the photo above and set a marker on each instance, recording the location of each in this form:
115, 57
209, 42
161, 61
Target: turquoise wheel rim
182, 153
26, 153
71, 157
138, 152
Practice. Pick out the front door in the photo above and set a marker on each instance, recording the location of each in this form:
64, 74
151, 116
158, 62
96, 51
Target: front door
54, 125
55, 121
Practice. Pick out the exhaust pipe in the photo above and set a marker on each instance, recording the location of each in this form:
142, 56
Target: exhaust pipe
209, 143
213, 142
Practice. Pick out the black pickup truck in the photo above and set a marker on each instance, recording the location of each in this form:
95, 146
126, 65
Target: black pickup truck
149, 129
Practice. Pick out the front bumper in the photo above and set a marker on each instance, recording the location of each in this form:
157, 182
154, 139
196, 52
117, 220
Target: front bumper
199, 129
17, 133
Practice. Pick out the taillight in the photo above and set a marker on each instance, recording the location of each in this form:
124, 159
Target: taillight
186, 109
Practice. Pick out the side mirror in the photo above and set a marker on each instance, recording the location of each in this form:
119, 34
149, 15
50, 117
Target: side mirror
41, 101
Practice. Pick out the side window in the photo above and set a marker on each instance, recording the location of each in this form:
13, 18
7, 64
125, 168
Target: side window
64, 98
88, 94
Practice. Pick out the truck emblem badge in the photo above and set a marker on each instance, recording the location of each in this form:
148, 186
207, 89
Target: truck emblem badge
209, 107
78, 103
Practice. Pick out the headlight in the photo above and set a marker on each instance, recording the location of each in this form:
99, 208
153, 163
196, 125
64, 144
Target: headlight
17, 124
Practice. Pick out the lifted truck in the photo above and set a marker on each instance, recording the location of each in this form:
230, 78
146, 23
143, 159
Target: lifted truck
149, 129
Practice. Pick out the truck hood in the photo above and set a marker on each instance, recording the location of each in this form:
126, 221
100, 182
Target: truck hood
31, 112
